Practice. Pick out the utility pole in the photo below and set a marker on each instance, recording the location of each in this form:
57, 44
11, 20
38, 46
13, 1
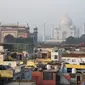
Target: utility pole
78, 32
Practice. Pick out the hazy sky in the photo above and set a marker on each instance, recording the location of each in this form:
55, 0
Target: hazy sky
40, 11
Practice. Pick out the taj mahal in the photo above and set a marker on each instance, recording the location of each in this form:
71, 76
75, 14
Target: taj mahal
65, 29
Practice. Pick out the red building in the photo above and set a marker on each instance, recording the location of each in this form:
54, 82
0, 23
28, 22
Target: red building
9, 32
45, 77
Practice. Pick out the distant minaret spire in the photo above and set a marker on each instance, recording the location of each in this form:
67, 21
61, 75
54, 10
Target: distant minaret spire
0, 23
44, 33
84, 28
52, 31
78, 32
17, 23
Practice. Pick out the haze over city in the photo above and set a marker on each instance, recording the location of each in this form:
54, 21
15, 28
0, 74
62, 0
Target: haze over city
38, 12
42, 42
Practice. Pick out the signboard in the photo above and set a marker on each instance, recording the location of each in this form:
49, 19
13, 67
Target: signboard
75, 66
6, 73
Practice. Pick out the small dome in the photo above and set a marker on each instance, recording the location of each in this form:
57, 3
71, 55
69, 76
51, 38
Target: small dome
65, 20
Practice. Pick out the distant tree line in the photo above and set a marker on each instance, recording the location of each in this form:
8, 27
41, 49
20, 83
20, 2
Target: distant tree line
21, 44
20, 40
72, 40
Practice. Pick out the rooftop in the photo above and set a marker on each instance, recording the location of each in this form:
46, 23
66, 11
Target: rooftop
22, 82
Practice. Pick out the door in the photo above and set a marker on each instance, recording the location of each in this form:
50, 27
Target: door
78, 79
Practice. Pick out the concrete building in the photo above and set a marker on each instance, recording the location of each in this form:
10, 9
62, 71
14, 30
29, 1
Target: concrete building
64, 30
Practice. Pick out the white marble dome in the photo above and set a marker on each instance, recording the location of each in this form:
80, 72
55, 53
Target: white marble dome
65, 20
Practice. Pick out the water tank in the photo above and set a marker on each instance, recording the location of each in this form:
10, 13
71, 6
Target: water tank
73, 70
48, 67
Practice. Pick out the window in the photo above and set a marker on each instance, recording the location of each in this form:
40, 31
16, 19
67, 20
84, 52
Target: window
44, 55
69, 70
47, 76
55, 56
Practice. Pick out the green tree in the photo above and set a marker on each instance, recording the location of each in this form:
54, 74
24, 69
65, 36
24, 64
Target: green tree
70, 40
82, 38
24, 44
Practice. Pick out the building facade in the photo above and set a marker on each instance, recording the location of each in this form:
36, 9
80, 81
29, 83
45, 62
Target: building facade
64, 30
34, 35
8, 32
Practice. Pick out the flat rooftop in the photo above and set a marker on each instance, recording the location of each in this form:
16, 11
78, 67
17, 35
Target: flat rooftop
21, 83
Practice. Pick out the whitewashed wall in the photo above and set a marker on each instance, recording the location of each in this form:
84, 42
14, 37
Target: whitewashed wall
13, 63
53, 56
73, 60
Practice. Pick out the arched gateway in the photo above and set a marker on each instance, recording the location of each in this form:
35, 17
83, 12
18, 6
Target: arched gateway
9, 32
9, 38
